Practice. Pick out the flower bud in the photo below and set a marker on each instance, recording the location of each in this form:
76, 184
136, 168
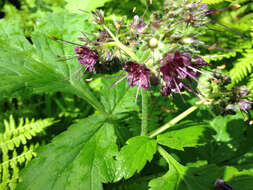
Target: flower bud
152, 42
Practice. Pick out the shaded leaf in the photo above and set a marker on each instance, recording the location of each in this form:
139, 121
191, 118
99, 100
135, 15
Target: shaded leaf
191, 136
202, 178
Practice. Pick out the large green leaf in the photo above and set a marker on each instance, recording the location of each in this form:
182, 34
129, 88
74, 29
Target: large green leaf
80, 158
118, 99
134, 155
232, 138
87, 5
190, 178
37, 67
178, 138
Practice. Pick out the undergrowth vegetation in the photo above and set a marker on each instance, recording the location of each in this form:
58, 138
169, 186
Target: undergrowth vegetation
124, 95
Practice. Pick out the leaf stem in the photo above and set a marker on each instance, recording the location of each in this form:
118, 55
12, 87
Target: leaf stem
175, 120
144, 120
126, 49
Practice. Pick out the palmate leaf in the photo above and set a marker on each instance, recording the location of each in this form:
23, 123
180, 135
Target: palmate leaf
80, 158
134, 155
36, 67
186, 136
190, 178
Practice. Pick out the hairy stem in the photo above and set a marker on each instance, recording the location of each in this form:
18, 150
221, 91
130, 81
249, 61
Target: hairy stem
144, 120
175, 120
126, 49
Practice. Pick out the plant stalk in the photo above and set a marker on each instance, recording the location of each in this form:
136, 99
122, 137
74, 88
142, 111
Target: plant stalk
126, 49
144, 120
175, 120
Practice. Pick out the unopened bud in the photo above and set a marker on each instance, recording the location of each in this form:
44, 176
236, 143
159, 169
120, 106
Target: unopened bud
152, 42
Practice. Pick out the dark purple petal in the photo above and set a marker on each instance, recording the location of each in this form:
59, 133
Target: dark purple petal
179, 66
87, 57
137, 75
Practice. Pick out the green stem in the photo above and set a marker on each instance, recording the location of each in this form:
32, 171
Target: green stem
175, 120
144, 121
126, 49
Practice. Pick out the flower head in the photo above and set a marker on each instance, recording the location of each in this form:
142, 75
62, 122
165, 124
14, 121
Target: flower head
176, 67
87, 57
137, 75
137, 26
245, 105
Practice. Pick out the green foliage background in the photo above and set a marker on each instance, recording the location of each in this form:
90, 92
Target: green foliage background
95, 143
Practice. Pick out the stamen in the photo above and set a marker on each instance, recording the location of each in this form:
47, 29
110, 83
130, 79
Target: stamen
117, 82
137, 94
194, 78
178, 90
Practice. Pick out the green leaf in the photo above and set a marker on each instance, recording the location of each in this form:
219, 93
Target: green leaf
212, 1
118, 99
134, 155
232, 138
36, 67
80, 158
87, 5
191, 136
202, 178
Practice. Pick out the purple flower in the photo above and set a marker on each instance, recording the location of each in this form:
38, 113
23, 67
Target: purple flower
222, 185
243, 91
179, 67
86, 57
137, 75
245, 105
137, 26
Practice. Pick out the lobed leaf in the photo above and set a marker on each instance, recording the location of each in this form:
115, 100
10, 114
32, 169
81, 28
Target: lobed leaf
133, 156
184, 137
80, 158
202, 178
36, 66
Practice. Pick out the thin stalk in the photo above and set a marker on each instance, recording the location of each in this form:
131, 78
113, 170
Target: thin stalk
175, 120
144, 120
126, 49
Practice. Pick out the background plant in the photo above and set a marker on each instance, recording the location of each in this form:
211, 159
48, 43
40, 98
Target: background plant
98, 143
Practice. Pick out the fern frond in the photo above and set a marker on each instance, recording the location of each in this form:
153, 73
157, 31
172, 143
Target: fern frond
12, 138
243, 67
250, 83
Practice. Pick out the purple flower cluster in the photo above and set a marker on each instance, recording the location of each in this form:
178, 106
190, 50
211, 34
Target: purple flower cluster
86, 57
178, 68
244, 102
137, 75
